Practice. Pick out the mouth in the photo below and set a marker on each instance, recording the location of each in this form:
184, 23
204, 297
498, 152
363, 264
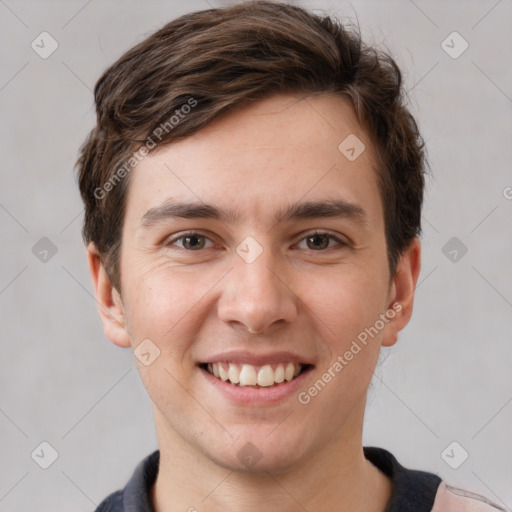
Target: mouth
252, 376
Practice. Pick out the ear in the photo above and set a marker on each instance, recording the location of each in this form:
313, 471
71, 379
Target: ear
110, 306
402, 290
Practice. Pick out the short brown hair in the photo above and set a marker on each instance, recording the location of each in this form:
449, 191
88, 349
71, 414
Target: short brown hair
221, 58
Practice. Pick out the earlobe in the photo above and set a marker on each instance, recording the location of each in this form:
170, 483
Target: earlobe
402, 292
109, 302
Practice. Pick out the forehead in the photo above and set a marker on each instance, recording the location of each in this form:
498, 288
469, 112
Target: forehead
256, 158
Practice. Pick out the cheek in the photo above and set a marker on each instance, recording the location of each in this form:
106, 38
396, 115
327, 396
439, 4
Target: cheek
163, 308
347, 308
347, 301
168, 306
161, 299
347, 315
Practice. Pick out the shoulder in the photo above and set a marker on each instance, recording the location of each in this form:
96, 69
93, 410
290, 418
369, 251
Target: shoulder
136, 495
112, 503
413, 490
452, 499
422, 491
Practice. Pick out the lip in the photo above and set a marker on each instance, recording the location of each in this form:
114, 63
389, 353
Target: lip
244, 395
257, 359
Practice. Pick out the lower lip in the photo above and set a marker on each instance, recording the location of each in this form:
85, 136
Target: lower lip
257, 396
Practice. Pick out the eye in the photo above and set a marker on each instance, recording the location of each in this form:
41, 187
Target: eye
194, 241
320, 241
191, 241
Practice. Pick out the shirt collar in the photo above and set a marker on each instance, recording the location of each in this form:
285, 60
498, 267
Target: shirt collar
412, 489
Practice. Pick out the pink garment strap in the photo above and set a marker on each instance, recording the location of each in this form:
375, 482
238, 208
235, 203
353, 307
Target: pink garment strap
452, 499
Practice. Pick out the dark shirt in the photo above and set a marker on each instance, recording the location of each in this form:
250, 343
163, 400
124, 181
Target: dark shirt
412, 490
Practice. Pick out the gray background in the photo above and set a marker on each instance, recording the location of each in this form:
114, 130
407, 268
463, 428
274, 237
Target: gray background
63, 382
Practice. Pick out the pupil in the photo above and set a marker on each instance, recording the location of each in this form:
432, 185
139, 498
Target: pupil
195, 238
316, 237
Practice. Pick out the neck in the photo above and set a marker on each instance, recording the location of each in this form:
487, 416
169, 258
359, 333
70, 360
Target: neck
336, 478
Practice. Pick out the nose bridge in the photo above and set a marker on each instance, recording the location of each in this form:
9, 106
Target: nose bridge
254, 294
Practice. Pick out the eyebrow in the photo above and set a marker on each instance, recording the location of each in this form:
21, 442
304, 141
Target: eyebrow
171, 209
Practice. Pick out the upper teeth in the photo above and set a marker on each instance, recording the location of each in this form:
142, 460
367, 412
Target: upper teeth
249, 375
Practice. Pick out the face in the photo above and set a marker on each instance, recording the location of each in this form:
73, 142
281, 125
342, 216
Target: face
258, 243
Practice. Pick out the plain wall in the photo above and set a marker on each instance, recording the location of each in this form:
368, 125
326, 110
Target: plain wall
61, 381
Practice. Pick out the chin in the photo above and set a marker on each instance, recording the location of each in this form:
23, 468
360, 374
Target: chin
253, 450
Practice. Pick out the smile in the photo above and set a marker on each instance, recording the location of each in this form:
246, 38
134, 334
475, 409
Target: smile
248, 375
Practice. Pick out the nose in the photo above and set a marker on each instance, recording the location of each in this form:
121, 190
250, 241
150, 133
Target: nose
256, 296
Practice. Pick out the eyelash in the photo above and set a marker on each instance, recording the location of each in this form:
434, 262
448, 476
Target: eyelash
307, 235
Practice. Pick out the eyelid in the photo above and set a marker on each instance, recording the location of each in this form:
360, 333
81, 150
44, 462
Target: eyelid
328, 234
184, 234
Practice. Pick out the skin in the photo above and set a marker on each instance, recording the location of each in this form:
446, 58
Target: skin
194, 303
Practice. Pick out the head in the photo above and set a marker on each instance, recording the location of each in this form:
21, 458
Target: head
252, 190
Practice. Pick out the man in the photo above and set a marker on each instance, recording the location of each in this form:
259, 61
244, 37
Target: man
253, 194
